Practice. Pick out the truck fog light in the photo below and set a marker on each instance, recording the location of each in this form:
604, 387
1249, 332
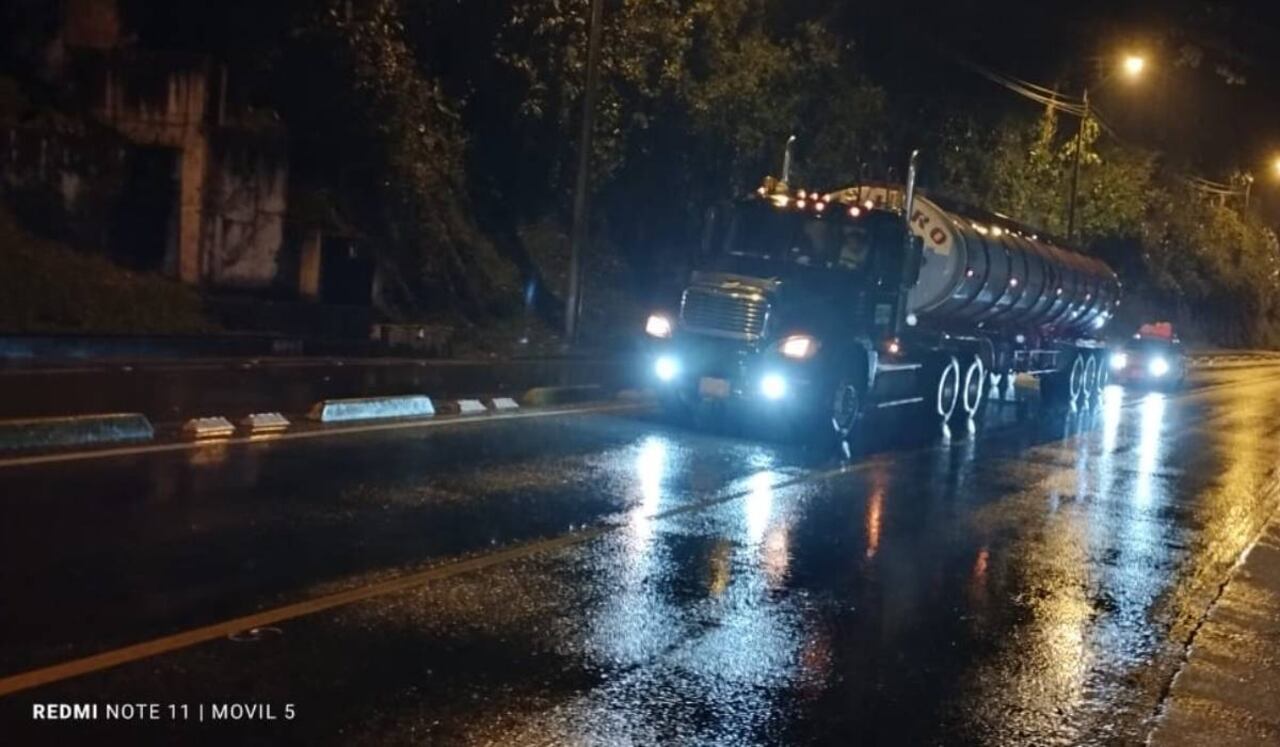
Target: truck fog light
1119, 361
773, 386
1158, 366
666, 368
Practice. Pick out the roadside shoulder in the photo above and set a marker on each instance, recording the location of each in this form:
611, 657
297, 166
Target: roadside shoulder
1229, 691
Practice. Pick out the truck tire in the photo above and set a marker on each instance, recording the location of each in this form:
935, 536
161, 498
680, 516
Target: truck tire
1075, 379
1104, 373
846, 405
973, 388
946, 388
1089, 384
833, 417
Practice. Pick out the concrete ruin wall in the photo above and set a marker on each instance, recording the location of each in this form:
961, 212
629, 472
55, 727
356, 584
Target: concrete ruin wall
64, 186
246, 196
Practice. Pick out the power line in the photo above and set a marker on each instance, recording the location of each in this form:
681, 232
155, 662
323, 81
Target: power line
1039, 94
1058, 101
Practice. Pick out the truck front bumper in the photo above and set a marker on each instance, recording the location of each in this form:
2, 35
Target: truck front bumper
694, 369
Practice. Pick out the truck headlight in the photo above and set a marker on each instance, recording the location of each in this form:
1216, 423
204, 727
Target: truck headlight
1158, 367
666, 368
798, 346
773, 386
1119, 361
658, 325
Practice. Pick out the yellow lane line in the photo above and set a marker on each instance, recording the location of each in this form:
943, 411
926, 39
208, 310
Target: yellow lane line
170, 643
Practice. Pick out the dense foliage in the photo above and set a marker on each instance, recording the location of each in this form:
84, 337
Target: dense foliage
446, 134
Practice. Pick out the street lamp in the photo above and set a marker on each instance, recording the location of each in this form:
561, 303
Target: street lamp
1132, 65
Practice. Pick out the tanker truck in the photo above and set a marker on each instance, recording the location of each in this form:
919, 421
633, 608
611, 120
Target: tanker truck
819, 307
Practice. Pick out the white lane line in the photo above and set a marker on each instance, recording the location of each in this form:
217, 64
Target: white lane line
439, 422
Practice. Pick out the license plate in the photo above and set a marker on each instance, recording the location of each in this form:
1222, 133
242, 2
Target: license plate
714, 388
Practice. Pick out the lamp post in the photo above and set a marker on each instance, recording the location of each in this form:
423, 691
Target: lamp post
1132, 66
1075, 170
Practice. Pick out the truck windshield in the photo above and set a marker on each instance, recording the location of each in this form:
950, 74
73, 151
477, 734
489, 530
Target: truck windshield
762, 231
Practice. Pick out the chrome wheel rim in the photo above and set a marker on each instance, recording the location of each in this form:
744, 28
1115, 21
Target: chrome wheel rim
845, 408
948, 389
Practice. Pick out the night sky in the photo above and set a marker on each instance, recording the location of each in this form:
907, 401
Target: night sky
1201, 118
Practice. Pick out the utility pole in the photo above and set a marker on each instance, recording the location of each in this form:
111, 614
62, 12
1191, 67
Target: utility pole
1075, 171
578, 233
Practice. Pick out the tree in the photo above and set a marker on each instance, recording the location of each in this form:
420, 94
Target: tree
412, 176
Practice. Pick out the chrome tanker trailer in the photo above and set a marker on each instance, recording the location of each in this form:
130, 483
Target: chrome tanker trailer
822, 305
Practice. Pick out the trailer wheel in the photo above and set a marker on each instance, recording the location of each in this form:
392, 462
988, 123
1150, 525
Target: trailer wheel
948, 388
1075, 379
973, 391
1090, 377
1104, 372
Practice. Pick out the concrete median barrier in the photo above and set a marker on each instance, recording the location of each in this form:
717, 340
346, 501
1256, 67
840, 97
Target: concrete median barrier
78, 430
372, 408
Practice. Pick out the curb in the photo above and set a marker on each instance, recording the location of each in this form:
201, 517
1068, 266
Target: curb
36, 433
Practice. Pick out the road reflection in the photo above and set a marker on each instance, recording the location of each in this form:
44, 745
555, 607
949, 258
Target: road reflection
1012, 586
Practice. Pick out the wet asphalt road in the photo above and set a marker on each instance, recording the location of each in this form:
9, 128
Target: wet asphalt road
609, 579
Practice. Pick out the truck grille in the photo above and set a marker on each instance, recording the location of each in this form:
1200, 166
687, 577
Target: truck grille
724, 314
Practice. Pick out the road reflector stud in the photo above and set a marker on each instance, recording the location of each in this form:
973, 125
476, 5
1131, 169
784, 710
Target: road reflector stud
214, 427
505, 403
265, 422
471, 407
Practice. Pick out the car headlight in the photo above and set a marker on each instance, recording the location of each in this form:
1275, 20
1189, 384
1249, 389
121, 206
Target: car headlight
658, 325
798, 346
1119, 361
1158, 366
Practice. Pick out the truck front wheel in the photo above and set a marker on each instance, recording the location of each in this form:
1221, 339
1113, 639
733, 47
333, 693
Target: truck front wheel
846, 407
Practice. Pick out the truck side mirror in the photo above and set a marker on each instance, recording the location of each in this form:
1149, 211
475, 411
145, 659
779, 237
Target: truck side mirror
914, 260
